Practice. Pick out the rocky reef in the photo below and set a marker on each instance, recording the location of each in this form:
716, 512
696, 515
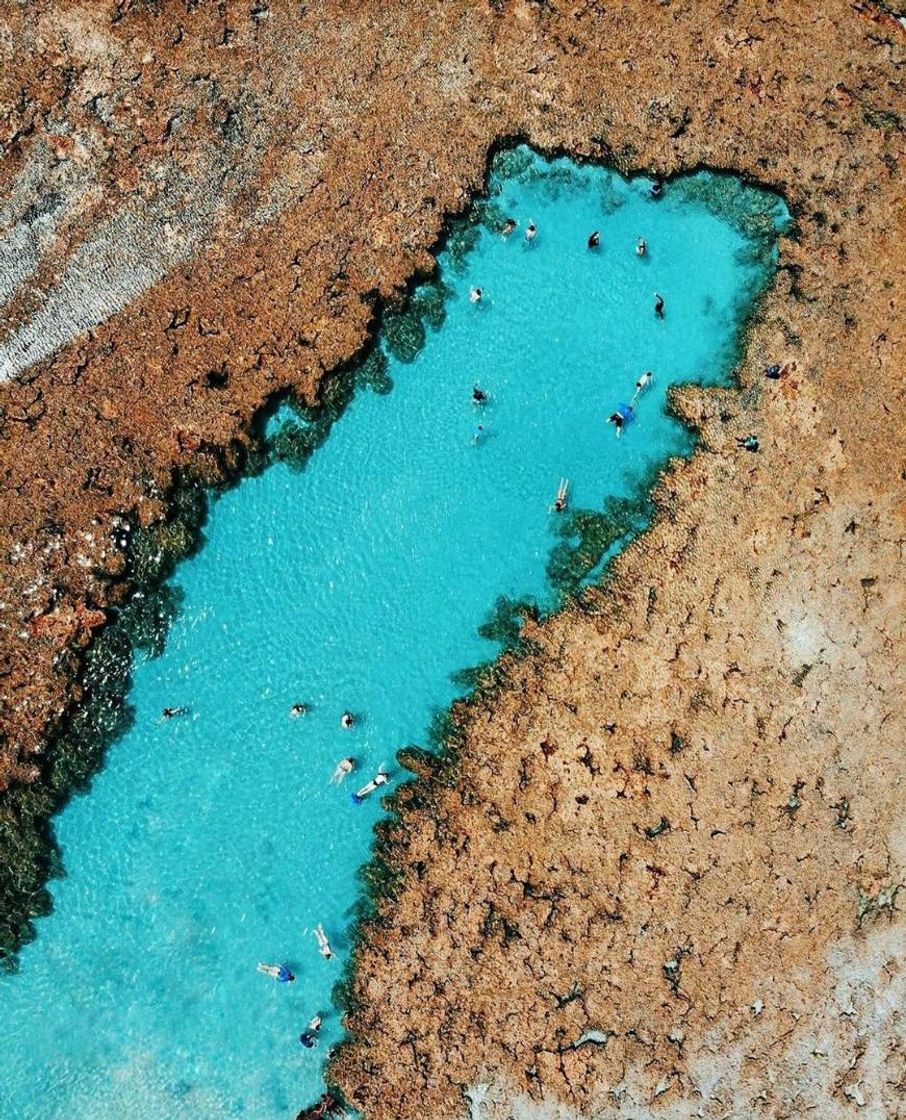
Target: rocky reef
660, 873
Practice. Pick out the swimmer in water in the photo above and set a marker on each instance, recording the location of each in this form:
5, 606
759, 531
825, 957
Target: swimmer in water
282, 973
381, 778
298, 710
620, 418
659, 305
508, 226
478, 435
641, 247
475, 295
347, 720
643, 382
657, 188
323, 944
530, 231
594, 240
562, 499
310, 1035
479, 396
344, 767
170, 713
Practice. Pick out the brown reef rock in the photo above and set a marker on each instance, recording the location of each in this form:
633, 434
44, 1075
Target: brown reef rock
669, 878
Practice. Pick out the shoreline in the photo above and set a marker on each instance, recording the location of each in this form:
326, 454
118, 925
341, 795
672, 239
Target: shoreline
829, 380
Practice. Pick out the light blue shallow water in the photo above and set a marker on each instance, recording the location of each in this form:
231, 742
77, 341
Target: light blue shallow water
215, 841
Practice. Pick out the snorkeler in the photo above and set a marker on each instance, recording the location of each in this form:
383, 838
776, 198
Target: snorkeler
508, 226
659, 305
298, 710
310, 1035
641, 247
562, 499
594, 240
750, 443
643, 382
530, 230
381, 778
479, 396
344, 767
621, 417
323, 944
282, 973
169, 713
347, 720
657, 188
475, 295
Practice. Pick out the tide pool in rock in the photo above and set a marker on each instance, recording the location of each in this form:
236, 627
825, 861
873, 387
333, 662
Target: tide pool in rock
216, 840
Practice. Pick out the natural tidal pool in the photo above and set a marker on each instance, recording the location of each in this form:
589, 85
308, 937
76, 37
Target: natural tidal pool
356, 580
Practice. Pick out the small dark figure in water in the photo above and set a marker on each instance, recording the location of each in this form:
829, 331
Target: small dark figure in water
641, 247
310, 1035
508, 226
750, 443
475, 295
659, 305
657, 188
772, 372
328, 1105
530, 230
298, 710
479, 396
169, 713
347, 720
594, 240
478, 435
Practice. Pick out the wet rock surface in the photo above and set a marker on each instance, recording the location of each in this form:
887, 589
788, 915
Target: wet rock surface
667, 877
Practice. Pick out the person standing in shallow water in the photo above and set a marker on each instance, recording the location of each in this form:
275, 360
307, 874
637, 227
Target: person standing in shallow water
659, 305
531, 231
594, 240
508, 226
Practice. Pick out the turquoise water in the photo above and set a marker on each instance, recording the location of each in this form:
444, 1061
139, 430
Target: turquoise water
216, 840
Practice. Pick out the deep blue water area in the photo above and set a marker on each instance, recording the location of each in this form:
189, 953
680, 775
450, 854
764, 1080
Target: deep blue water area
216, 840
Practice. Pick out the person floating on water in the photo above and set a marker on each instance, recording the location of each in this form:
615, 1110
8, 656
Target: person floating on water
508, 226
298, 710
475, 295
170, 713
323, 944
594, 240
530, 231
344, 766
621, 417
310, 1035
657, 188
478, 435
643, 382
479, 396
282, 973
347, 720
659, 305
381, 778
750, 443
641, 247
562, 499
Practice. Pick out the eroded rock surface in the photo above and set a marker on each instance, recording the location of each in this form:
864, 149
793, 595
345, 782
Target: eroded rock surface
668, 879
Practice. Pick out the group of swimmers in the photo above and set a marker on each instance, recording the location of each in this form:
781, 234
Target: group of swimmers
283, 974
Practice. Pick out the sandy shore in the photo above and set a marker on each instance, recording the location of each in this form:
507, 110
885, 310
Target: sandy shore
679, 827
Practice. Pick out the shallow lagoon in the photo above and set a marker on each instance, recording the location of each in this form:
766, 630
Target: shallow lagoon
214, 841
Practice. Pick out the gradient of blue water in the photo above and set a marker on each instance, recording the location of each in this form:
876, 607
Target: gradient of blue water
213, 842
